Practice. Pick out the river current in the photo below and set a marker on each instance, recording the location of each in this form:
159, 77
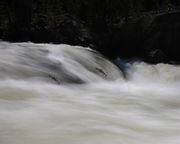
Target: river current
61, 94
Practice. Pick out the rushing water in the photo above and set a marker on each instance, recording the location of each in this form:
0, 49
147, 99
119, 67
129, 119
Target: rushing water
59, 94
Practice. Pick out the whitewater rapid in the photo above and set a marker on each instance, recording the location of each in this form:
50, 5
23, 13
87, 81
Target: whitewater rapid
60, 94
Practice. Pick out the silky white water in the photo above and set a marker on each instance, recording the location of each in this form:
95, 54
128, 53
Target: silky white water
59, 94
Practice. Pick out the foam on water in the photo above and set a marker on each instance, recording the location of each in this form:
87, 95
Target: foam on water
144, 109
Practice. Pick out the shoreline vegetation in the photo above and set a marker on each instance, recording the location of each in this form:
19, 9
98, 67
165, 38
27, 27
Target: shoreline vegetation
149, 30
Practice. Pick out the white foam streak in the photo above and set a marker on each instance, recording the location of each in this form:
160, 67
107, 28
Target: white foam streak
145, 109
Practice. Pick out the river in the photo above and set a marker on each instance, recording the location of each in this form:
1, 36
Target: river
61, 94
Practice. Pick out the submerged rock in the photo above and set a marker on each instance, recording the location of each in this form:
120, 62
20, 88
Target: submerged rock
59, 64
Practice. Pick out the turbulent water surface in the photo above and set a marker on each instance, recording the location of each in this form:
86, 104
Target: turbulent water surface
59, 94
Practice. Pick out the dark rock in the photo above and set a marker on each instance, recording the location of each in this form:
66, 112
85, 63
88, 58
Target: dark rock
164, 35
157, 56
154, 37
